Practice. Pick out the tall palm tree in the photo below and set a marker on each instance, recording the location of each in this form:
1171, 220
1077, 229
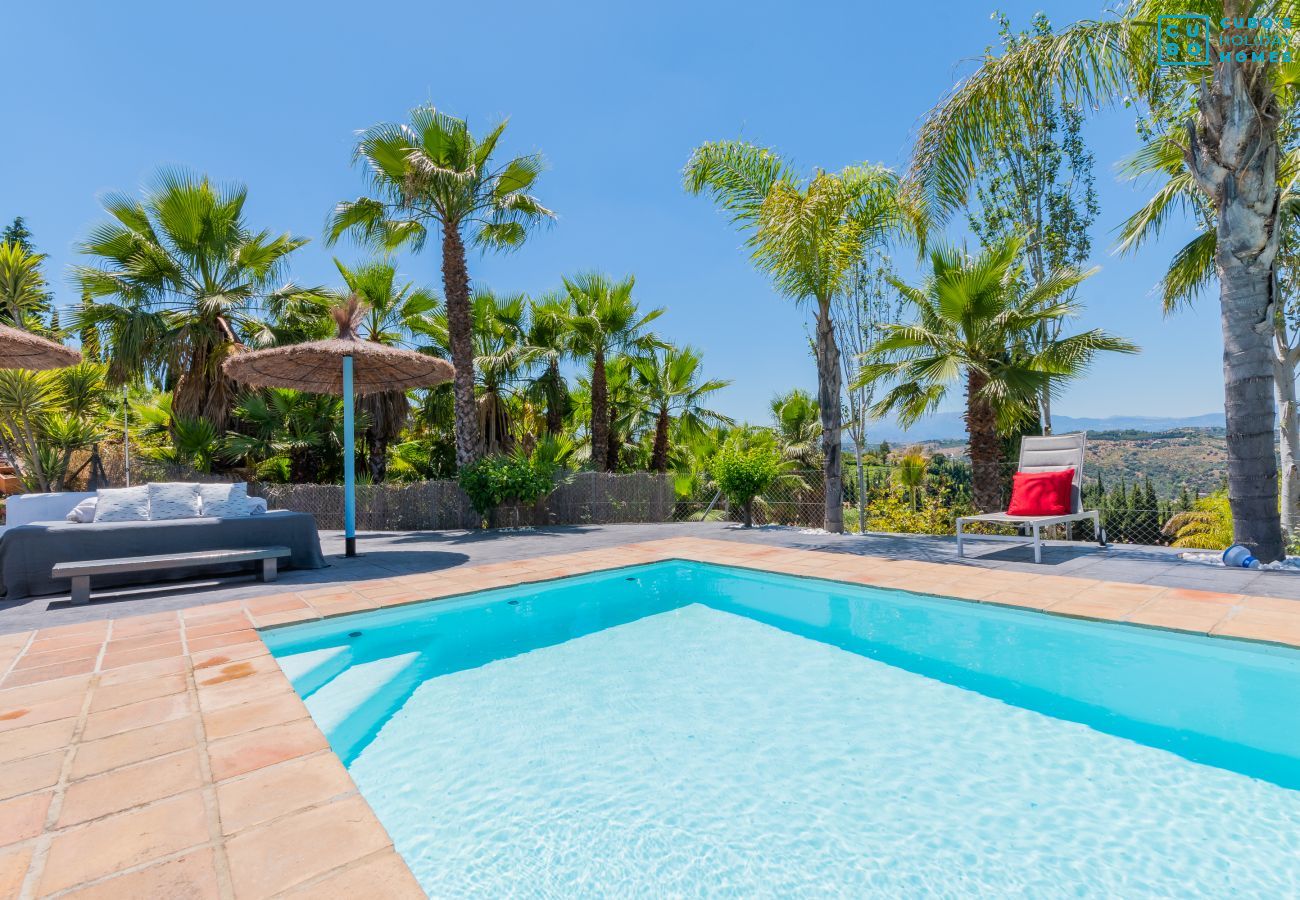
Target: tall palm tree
24, 294
975, 324
808, 234
550, 336
604, 319
175, 285
671, 380
433, 172
1231, 151
1192, 269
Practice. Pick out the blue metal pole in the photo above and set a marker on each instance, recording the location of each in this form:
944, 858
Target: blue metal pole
349, 465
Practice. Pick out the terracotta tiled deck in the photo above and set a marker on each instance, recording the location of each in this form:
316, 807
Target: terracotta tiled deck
165, 755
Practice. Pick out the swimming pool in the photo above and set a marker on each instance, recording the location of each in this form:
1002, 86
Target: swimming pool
686, 728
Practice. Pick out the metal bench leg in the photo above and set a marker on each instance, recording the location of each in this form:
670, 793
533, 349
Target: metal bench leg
1038, 545
959, 551
80, 590
268, 570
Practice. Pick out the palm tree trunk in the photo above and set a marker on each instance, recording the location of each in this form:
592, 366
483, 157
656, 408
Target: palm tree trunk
828, 399
376, 455
659, 457
985, 449
615, 443
1232, 153
862, 486
599, 411
455, 284
554, 415
1045, 404
1285, 359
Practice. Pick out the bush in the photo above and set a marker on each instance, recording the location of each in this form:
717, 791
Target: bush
743, 474
495, 480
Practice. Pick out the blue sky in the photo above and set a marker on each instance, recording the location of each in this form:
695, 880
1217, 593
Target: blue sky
615, 95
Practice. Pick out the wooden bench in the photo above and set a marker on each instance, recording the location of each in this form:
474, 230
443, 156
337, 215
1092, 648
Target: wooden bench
81, 570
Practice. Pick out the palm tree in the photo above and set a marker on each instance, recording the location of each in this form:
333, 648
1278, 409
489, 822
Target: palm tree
1231, 150
47, 416
605, 320
24, 295
550, 336
798, 427
502, 356
176, 283
910, 471
808, 235
433, 172
976, 323
1192, 269
290, 436
394, 312
671, 380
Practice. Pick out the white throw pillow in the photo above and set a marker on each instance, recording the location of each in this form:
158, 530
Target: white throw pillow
83, 511
257, 506
123, 504
224, 500
173, 500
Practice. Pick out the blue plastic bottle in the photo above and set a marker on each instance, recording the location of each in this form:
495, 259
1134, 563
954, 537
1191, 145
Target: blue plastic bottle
1238, 556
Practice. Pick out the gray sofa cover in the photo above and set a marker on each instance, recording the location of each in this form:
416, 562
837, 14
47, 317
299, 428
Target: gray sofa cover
29, 552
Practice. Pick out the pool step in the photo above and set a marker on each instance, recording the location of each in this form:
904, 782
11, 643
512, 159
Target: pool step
312, 670
351, 706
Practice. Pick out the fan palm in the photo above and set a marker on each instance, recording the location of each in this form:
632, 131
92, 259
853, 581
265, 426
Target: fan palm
395, 312
502, 356
671, 380
290, 435
976, 324
176, 282
808, 235
549, 335
432, 171
1231, 151
604, 320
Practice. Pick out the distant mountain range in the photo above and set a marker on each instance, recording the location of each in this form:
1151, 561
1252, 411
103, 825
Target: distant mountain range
949, 426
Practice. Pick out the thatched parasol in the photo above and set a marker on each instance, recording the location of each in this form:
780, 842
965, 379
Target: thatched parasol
24, 350
346, 366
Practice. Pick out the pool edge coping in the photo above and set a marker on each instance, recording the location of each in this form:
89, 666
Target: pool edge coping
207, 667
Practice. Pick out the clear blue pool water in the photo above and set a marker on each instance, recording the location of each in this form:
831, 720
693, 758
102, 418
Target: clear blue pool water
681, 729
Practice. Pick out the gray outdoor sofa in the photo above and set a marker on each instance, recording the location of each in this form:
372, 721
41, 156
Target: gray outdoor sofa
29, 551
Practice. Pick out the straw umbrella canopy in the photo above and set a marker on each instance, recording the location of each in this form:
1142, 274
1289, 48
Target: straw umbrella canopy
24, 350
346, 366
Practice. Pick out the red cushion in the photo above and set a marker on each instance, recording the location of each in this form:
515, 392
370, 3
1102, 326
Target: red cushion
1041, 493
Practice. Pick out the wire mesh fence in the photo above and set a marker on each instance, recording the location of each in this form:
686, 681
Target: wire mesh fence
930, 504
